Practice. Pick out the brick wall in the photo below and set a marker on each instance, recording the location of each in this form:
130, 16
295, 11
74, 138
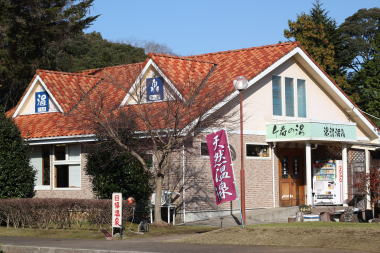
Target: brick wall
85, 192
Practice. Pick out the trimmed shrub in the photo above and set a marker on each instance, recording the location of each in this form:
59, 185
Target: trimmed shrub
58, 213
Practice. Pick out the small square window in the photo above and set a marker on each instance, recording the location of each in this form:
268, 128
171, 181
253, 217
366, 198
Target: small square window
204, 149
60, 152
257, 150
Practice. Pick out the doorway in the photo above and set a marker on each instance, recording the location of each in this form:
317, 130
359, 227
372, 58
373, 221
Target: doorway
291, 176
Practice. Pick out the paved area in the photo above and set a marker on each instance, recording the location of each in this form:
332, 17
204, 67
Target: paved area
157, 244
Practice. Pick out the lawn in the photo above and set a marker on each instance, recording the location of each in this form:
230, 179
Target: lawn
354, 236
93, 233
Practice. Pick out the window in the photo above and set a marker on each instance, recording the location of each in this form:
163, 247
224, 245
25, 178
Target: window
257, 150
204, 149
289, 97
285, 94
45, 165
301, 94
40, 160
67, 166
276, 95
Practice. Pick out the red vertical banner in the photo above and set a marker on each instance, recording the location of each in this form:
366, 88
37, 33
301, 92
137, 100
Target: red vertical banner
221, 167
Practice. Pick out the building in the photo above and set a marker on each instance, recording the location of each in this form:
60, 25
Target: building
304, 138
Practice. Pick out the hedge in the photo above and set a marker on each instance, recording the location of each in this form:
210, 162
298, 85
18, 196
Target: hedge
58, 213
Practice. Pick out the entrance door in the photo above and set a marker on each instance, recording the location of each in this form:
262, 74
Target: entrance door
292, 177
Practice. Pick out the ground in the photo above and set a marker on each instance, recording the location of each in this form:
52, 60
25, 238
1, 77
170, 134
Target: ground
353, 236
315, 237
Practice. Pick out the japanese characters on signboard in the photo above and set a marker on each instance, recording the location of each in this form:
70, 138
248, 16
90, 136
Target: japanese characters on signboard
117, 201
41, 101
155, 89
221, 167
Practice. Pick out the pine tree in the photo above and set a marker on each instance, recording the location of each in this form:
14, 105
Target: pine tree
366, 84
318, 34
30, 33
16, 174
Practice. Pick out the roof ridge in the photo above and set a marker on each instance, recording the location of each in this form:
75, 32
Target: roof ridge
115, 66
66, 73
184, 58
248, 48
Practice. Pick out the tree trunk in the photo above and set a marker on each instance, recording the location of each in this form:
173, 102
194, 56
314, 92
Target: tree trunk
157, 200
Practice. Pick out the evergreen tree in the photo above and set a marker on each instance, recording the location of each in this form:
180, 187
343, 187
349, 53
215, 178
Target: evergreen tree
113, 171
318, 34
30, 33
358, 33
88, 51
366, 84
16, 174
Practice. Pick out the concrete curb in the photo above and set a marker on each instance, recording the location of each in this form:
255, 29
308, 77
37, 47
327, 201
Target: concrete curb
36, 249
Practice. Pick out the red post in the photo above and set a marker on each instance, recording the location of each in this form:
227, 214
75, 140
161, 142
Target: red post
242, 171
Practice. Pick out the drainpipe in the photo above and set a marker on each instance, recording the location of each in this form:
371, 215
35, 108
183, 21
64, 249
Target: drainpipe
183, 183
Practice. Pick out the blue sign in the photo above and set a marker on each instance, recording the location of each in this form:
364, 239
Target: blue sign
41, 101
155, 89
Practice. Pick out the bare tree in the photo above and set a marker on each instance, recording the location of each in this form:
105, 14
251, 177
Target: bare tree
160, 128
368, 184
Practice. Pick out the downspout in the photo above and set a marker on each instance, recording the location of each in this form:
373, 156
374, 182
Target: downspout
183, 183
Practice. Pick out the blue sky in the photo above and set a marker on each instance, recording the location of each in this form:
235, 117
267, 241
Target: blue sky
202, 26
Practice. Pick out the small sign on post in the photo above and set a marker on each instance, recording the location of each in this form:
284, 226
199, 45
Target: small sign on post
117, 201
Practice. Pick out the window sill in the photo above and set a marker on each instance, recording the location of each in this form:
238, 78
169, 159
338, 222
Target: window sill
66, 162
258, 158
66, 189
42, 187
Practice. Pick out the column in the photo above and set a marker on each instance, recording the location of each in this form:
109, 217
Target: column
345, 175
309, 189
367, 171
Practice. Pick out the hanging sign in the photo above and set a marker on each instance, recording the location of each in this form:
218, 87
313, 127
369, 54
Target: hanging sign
221, 167
117, 201
155, 89
41, 101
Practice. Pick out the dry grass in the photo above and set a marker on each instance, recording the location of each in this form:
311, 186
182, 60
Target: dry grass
93, 233
359, 236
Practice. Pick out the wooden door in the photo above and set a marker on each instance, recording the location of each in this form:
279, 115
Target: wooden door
292, 177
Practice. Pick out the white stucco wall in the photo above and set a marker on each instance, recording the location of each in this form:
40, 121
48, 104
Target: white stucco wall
29, 104
258, 102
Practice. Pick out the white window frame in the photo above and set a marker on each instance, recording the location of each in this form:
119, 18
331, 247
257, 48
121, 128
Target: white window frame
258, 157
67, 162
45, 187
295, 98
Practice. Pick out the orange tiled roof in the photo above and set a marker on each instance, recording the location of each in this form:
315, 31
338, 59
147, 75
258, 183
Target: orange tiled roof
209, 75
67, 88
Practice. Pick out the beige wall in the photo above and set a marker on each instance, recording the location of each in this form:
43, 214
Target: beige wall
29, 105
85, 191
139, 93
258, 102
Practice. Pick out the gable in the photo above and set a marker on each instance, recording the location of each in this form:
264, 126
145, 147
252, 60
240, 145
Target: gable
38, 99
151, 86
321, 106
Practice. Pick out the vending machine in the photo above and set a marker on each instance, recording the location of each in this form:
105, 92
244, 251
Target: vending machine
327, 182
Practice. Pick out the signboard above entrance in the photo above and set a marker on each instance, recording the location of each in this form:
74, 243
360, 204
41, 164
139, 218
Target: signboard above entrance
299, 131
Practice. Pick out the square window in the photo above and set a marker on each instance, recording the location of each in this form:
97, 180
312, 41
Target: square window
204, 149
257, 150
60, 152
